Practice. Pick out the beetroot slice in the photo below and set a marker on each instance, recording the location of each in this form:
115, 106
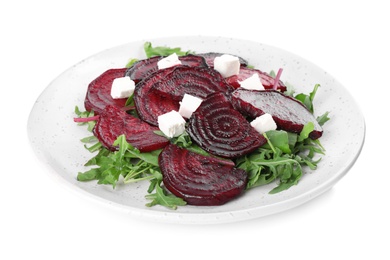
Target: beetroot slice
200, 180
114, 122
145, 67
221, 130
196, 81
288, 113
162, 91
99, 91
266, 79
210, 56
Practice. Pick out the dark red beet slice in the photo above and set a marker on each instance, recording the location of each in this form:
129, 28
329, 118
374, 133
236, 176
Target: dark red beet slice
145, 67
266, 79
196, 81
210, 56
288, 113
200, 180
162, 91
99, 91
221, 130
114, 122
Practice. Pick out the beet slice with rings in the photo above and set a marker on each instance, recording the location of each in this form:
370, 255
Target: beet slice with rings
113, 122
210, 56
162, 91
266, 79
99, 91
288, 113
196, 81
221, 130
145, 67
149, 103
200, 180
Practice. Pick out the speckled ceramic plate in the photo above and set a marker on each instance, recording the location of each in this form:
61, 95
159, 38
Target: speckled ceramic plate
55, 137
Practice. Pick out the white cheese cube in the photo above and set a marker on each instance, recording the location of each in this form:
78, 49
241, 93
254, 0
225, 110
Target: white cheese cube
122, 87
227, 65
253, 82
168, 61
172, 124
188, 105
264, 123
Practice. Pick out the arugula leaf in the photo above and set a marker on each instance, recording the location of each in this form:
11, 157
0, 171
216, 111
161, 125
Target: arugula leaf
161, 197
131, 63
265, 166
283, 158
85, 114
134, 166
162, 50
279, 139
323, 119
307, 129
130, 101
184, 141
307, 100
127, 161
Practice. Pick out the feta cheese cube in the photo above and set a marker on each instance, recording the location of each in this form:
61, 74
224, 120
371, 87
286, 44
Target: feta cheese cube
188, 105
122, 87
264, 123
253, 82
227, 65
168, 61
172, 124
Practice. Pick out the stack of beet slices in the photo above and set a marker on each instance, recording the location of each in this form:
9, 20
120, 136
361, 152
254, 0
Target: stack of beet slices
220, 124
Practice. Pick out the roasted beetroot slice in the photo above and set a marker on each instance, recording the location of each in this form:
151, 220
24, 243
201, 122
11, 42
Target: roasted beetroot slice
200, 180
99, 91
162, 91
196, 81
266, 79
288, 113
149, 103
114, 122
221, 130
210, 56
145, 67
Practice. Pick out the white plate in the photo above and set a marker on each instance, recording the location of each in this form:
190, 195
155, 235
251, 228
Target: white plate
55, 137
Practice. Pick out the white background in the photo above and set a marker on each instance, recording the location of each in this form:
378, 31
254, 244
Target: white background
40, 218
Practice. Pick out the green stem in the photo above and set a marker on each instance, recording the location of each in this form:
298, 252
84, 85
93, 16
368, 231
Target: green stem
138, 179
269, 143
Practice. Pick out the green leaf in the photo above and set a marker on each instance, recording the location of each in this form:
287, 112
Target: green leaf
101, 156
130, 101
162, 198
183, 140
307, 129
131, 63
89, 139
123, 146
89, 175
279, 139
307, 100
281, 158
290, 89
85, 114
323, 119
151, 51
93, 148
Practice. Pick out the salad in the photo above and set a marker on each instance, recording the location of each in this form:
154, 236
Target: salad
201, 128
